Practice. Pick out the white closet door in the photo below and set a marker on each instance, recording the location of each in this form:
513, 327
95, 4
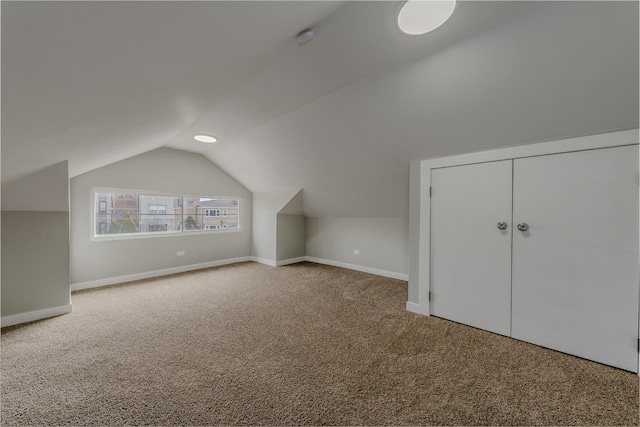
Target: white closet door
471, 256
575, 271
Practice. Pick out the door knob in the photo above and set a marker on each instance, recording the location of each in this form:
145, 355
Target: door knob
502, 225
523, 226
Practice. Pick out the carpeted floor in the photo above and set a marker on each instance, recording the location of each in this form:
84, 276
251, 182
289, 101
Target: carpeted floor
303, 344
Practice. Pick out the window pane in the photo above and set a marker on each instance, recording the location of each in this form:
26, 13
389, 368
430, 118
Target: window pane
116, 213
126, 213
207, 213
159, 213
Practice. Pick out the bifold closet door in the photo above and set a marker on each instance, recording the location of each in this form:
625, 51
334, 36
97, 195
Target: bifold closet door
575, 270
470, 251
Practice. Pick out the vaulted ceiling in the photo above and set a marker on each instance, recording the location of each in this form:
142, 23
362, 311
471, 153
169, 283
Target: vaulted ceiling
340, 117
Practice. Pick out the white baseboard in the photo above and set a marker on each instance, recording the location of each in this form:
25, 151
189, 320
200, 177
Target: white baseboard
364, 269
156, 273
30, 316
278, 263
376, 271
290, 261
413, 307
263, 261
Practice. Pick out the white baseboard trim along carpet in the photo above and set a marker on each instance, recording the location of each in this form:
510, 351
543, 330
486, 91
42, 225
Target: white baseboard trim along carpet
290, 261
164, 272
156, 273
376, 271
30, 316
280, 263
413, 307
264, 261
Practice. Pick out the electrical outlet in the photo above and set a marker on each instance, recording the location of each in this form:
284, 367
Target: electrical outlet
356, 251
180, 253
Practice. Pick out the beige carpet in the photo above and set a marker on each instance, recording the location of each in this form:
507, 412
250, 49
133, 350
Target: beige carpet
303, 344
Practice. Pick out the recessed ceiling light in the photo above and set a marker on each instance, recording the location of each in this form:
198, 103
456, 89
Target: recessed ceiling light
205, 138
421, 16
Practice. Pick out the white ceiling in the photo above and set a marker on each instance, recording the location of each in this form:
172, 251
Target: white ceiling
341, 117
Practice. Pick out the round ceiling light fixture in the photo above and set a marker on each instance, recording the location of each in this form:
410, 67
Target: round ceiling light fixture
422, 16
205, 138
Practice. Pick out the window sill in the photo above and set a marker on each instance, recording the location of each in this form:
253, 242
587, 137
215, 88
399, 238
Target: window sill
136, 236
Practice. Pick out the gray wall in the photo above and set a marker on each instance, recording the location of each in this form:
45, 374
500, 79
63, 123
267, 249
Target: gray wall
266, 207
35, 261
163, 170
35, 241
290, 239
382, 242
263, 240
44, 190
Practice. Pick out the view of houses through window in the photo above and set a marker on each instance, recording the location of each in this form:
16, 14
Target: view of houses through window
127, 213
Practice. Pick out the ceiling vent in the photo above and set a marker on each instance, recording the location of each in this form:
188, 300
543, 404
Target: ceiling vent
304, 36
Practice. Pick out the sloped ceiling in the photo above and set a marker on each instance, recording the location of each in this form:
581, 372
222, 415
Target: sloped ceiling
340, 117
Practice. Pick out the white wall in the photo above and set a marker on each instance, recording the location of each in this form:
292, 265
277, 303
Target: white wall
35, 244
163, 170
382, 242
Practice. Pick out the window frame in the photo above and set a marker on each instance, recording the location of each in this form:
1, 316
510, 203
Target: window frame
94, 211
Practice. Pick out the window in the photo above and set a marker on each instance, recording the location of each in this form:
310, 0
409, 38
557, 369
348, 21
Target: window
207, 213
158, 209
103, 228
129, 213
